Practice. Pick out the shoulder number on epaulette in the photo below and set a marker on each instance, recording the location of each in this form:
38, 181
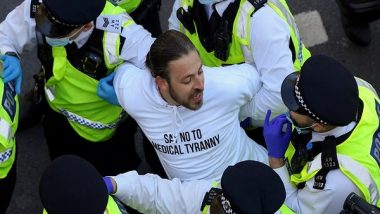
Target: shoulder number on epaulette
33, 8
110, 23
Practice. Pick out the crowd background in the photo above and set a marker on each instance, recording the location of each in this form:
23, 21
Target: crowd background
32, 150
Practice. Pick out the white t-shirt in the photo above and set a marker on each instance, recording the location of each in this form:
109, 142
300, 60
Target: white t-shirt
199, 144
269, 41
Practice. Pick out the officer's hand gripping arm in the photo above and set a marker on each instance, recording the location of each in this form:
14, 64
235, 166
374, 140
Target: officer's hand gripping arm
106, 91
12, 71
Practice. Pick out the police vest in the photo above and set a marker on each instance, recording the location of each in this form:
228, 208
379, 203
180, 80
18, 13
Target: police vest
112, 207
9, 113
359, 155
283, 210
128, 5
73, 93
209, 197
240, 49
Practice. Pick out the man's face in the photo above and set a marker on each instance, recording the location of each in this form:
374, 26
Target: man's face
186, 81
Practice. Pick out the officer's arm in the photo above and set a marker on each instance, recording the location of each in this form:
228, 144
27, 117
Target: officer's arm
137, 44
17, 31
273, 59
276, 162
151, 194
173, 20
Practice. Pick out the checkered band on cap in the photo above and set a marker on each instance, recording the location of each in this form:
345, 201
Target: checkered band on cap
55, 20
226, 205
303, 104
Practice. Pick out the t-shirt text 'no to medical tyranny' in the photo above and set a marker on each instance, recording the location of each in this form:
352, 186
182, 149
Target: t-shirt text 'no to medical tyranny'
188, 142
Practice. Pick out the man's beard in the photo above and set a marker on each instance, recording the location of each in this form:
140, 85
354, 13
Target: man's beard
186, 102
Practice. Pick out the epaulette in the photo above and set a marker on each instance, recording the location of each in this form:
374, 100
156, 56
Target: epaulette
257, 4
33, 8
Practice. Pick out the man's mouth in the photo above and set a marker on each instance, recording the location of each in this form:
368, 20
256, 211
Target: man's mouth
198, 97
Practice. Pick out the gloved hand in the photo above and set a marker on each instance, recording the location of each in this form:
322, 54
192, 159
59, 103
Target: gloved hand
106, 91
108, 182
276, 139
12, 71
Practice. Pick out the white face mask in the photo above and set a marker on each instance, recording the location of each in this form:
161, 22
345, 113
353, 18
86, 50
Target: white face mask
300, 130
209, 1
58, 41
64, 40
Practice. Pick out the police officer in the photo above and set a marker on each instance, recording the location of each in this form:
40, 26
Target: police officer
78, 43
71, 184
246, 187
334, 147
144, 12
9, 112
260, 32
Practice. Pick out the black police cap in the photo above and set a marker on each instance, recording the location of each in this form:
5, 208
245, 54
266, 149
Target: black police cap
74, 12
70, 184
324, 89
253, 187
65, 15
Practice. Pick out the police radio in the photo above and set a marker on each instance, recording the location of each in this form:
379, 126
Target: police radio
222, 40
186, 19
90, 64
356, 205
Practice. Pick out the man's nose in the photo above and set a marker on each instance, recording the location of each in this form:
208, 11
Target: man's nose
199, 82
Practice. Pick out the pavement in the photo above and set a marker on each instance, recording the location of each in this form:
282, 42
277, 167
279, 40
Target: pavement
321, 31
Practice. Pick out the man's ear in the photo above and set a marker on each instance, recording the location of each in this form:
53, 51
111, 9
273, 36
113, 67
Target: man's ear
88, 26
162, 83
319, 127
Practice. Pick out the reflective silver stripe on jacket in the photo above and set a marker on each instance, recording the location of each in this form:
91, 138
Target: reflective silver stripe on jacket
91, 124
5, 129
290, 20
366, 84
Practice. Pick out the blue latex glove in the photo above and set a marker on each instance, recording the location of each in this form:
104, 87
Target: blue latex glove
276, 139
12, 71
107, 181
106, 91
